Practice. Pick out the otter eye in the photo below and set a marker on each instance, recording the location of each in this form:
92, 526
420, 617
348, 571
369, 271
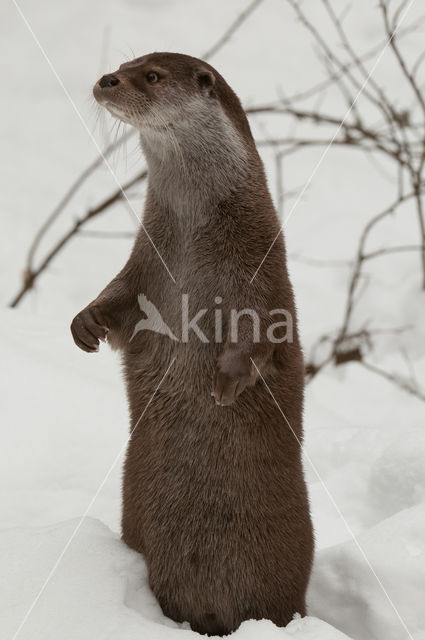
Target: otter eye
152, 77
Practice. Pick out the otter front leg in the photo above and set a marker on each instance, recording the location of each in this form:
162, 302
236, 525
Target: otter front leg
106, 314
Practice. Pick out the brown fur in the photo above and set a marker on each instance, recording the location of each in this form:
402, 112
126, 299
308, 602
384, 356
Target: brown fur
213, 496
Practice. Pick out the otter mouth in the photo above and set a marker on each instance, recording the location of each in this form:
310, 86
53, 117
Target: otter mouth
105, 101
113, 109
118, 112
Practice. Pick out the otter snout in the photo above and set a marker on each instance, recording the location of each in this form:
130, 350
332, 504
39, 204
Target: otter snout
106, 90
108, 81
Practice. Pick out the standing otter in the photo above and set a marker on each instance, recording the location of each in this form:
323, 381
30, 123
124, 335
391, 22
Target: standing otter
214, 494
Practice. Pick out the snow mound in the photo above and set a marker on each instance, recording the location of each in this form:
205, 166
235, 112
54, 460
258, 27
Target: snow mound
346, 593
390, 490
99, 590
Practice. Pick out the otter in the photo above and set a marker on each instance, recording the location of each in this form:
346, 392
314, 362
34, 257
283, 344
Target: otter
214, 494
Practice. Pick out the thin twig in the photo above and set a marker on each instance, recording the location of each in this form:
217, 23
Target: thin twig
390, 29
402, 383
231, 29
69, 194
31, 276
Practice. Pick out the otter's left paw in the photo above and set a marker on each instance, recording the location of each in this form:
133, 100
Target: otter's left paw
233, 372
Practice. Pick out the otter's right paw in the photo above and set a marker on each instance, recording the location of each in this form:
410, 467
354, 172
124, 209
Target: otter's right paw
88, 328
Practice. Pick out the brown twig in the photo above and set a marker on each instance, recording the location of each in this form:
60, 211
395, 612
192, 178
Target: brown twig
231, 29
360, 258
31, 276
403, 142
392, 40
402, 383
69, 194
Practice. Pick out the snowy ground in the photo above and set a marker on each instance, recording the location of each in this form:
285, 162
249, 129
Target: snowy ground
63, 413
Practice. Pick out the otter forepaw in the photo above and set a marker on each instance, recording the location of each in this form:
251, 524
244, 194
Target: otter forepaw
87, 329
233, 372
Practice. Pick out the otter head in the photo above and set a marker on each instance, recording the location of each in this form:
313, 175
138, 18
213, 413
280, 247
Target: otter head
163, 90
184, 110
149, 91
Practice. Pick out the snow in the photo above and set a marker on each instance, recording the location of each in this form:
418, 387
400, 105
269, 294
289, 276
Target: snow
343, 586
99, 591
63, 413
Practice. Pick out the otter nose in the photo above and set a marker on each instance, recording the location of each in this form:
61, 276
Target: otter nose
108, 81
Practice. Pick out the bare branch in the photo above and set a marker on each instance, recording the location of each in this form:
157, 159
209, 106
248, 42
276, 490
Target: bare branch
356, 273
370, 53
31, 276
110, 235
401, 382
69, 194
390, 250
345, 70
231, 29
383, 100
392, 40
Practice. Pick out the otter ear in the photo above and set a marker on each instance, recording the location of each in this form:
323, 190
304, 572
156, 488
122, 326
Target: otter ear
205, 80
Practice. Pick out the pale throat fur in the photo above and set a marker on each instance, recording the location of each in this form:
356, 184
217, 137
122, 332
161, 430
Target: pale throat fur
195, 155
